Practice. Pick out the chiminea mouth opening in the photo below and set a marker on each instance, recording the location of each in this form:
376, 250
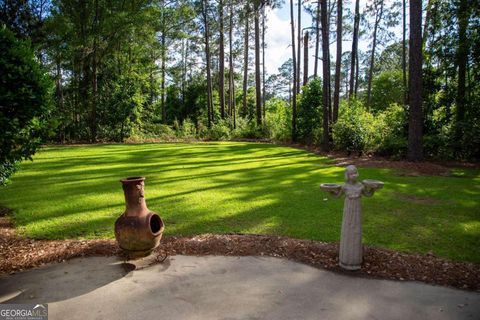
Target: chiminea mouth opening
132, 179
156, 224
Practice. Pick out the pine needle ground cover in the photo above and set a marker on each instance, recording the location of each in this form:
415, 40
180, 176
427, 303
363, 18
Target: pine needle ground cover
74, 192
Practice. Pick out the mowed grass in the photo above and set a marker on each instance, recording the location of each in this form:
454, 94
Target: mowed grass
74, 192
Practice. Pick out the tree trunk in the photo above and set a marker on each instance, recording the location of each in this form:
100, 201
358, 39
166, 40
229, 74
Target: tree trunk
162, 80
415, 148
84, 71
305, 59
263, 61
221, 78
232, 71
290, 95
354, 54
152, 78
404, 54
163, 59
462, 58
60, 99
258, 84
245, 59
207, 57
338, 63
427, 22
299, 48
231, 98
294, 89
326, 75
317, 40
234, 107
378, 18
357, 72
77, 70
93, 116
184, 78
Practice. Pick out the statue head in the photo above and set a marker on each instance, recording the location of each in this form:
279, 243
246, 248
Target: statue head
351, 174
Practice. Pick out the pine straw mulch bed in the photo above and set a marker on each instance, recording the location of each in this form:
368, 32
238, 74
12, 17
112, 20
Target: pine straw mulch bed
19, 253
401, 167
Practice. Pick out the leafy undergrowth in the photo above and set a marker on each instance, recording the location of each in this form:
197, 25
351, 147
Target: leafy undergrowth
74, 193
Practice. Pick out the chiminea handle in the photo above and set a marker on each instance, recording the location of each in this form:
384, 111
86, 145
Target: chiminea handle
141, 190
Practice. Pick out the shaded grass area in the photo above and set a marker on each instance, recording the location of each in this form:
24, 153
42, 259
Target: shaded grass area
74, 192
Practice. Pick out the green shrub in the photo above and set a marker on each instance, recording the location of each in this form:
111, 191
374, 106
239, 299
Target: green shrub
470, 143
247, 129
391, 131
309, 117
358, 130
187, 129
439, 144
443, 144
6, 170
152, 132
468, 146
25, 102
219, 131
278, 120
159, 130
353, 130
202, 130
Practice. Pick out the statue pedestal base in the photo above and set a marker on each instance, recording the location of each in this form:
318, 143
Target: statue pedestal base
350, 267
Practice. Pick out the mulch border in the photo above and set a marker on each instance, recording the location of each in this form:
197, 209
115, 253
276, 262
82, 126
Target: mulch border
429, 167
19, 253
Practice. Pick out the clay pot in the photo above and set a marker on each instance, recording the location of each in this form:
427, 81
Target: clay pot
138, 230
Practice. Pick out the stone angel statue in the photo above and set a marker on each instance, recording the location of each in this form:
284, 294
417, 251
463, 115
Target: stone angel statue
351, 252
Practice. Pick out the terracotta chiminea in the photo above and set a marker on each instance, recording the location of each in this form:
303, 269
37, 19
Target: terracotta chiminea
138, 230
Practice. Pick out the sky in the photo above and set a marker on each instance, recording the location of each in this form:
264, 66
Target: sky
278, 37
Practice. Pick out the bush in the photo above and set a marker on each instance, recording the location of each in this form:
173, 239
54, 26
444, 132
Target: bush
247, 129
470, 143
159, 130
6, 170
278, 120
353, 130
439, 144
391, 125
219, 131
152, 132
25, 102
358, 130
309, 118
442, 142
187, 129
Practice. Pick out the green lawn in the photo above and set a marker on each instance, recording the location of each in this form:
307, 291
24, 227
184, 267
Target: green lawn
74, 192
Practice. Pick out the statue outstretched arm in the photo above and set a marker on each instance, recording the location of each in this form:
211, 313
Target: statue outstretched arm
368, 192
338, 192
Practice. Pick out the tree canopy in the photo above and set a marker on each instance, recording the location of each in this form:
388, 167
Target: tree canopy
25, 102
144, 69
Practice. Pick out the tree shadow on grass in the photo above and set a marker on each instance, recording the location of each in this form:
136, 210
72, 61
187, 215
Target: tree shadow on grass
247, 188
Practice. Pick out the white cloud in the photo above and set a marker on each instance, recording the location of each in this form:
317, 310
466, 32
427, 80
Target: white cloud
278, 38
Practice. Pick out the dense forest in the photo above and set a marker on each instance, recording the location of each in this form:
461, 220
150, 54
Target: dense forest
145, 70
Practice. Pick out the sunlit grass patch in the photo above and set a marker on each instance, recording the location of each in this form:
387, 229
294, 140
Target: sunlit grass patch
74, 192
